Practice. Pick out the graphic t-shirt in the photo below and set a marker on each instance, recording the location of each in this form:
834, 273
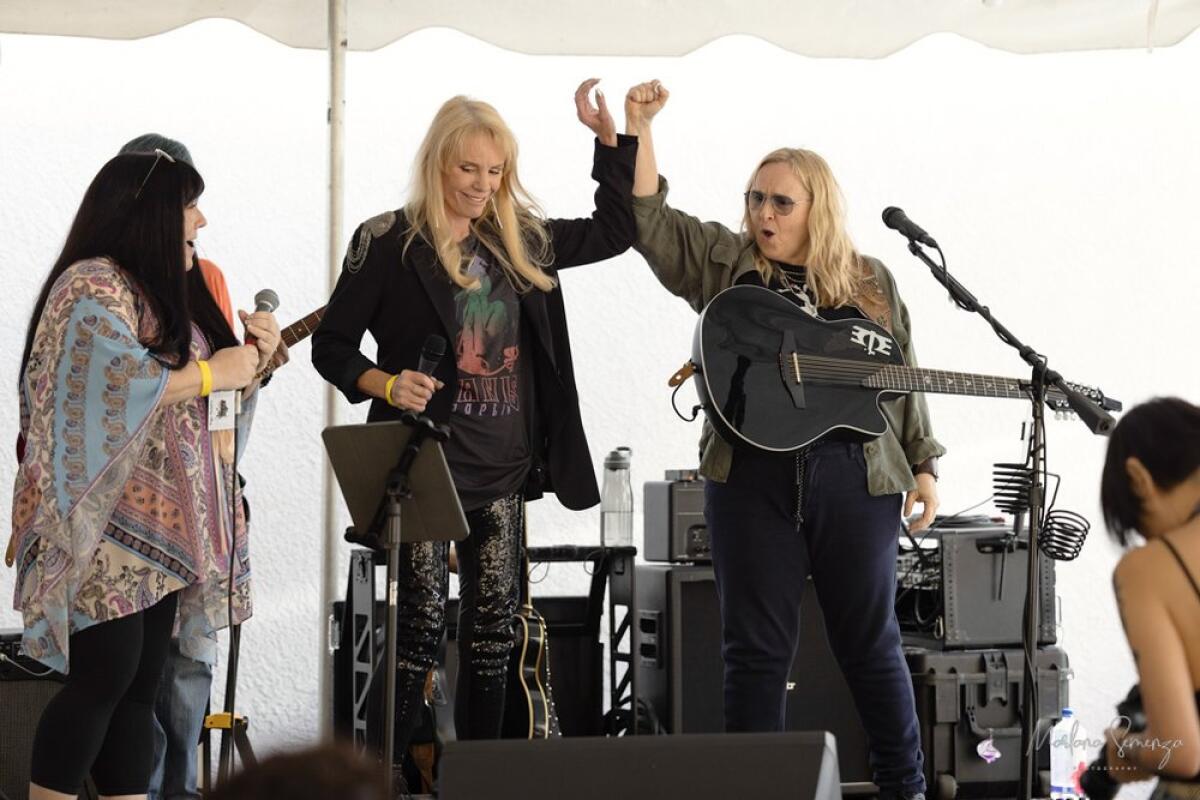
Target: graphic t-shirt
488, 451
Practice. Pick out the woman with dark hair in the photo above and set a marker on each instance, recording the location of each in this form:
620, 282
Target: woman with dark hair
1151, 487
471, 258
831, 508
123, 504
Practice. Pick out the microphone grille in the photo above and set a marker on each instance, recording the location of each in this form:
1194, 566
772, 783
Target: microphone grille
267, 298
435, 345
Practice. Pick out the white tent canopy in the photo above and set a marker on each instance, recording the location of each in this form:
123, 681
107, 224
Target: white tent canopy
847, 28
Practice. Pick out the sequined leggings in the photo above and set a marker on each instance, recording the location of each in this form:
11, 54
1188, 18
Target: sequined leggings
489, 570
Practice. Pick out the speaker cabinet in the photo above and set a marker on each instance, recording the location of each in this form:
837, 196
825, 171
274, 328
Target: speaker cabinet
681, 672
576, 667
795, 766
576, 671
25, 688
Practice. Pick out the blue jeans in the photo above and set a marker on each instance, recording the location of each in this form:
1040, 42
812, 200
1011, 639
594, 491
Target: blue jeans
846, 539
178, 717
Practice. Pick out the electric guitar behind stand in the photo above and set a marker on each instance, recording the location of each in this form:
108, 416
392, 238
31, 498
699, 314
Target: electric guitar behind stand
530, 712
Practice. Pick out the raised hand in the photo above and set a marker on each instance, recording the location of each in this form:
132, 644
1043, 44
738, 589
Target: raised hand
596, 117
642, 102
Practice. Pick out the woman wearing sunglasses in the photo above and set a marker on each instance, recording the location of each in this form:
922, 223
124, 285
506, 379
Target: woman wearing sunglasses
122, 504
471, 259
832, 509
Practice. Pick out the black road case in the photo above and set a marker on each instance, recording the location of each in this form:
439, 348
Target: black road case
964, 697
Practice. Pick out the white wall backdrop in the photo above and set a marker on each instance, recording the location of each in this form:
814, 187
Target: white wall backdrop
1062, 187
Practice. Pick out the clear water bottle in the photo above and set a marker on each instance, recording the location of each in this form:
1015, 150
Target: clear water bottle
616, 500
1068, 757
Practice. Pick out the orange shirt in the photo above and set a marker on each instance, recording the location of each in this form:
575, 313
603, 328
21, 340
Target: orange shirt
214, 279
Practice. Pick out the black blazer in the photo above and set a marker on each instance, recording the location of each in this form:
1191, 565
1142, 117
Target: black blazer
402, 297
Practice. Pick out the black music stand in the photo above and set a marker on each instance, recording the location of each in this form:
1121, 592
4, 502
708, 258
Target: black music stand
390, 471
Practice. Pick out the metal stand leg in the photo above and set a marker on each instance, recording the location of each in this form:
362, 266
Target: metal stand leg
234, 727
622, 666
392, 541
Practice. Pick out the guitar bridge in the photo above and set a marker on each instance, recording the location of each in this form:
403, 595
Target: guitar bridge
789, 367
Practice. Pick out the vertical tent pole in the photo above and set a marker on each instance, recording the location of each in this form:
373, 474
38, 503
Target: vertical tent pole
330, 539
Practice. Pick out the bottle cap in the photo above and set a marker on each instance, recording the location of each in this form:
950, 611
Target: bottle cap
618, 459
1067, 712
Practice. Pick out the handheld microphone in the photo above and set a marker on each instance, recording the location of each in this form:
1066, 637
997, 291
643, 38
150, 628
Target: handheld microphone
897, 220
431, 353
265, 300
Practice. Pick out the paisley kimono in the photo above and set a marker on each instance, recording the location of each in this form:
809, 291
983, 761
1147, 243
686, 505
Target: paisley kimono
119, 499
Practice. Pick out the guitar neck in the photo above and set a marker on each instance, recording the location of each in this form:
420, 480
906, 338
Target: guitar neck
909, 379
917, 379
302, 328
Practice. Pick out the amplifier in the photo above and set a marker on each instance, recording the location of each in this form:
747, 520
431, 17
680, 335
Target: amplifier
675, 531
964, 587
25, 688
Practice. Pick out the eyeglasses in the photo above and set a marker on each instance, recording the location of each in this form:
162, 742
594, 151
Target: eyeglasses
161, 154
782, 204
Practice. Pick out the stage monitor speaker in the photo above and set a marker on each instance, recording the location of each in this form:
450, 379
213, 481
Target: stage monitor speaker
681, 673
792, 766
25, 688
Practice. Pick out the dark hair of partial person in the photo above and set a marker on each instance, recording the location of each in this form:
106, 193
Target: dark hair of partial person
330, 772
132, 213
205, 312
1163, 434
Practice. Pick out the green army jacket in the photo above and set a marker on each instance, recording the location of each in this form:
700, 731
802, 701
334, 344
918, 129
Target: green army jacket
695, 260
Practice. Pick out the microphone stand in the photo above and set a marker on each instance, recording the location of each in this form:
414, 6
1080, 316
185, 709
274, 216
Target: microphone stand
234, 728
396, 489
1099, 422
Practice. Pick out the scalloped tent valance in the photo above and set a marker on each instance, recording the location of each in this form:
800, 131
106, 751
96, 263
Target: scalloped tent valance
847, 28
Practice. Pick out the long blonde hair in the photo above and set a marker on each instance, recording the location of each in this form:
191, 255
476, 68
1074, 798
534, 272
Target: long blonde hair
835, 269
511, 227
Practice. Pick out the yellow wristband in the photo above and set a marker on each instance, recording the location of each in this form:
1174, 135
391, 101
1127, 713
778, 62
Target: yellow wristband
387, 391
205, 378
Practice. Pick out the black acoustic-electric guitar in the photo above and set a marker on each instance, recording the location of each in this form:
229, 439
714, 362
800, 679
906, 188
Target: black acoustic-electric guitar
773, 377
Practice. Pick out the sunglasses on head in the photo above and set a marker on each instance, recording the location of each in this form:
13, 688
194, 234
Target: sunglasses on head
158, 156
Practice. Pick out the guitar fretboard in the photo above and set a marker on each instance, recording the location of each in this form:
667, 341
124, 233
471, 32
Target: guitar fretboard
302, 328
915, 379
801, 368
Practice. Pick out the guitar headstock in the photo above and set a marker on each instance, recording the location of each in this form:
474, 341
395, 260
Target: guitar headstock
1056, 401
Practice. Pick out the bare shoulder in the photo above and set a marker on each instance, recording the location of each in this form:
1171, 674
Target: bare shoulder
1150, 568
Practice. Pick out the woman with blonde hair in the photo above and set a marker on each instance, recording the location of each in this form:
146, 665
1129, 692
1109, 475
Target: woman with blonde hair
471, 258
830, 509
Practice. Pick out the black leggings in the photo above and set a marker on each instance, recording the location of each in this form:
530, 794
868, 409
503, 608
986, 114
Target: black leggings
103, 718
